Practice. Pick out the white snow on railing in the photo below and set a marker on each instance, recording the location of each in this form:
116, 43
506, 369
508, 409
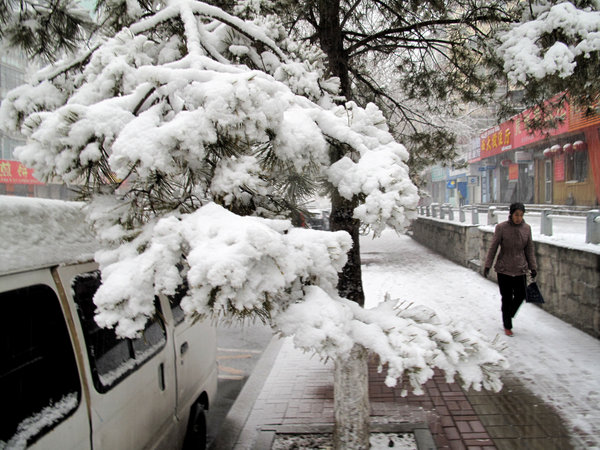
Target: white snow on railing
563, 225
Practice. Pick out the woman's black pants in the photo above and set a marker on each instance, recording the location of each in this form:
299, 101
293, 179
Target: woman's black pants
512, 290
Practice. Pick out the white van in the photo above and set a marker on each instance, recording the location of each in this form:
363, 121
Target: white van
65, 383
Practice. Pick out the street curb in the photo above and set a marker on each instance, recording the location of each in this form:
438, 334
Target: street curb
236, 418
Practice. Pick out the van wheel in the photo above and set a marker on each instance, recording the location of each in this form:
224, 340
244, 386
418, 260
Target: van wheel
195, 438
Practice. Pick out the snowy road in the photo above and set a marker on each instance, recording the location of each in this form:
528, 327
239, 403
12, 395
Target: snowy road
557, 362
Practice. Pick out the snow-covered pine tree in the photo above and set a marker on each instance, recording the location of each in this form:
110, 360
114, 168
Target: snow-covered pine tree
193, 134
43, 29
554, 48
414, 60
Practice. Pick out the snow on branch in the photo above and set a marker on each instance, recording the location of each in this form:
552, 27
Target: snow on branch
574, 33
380, 175
188, 108
142, 114
231, 265
410, 341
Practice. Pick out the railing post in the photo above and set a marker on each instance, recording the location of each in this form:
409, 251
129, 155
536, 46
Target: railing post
434, 209
492, 219
442, 212
427, 211
546, 223
461, 214
475, 215
592, 227
450, 212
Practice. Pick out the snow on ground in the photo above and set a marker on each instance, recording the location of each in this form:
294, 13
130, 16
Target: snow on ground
557, 362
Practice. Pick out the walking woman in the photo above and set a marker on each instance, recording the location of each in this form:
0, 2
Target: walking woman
515, 259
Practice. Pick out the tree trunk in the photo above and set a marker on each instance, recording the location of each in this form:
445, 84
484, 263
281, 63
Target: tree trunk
351, 401
351, 388
350, 279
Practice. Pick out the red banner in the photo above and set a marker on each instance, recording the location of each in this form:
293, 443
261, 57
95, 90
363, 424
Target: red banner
523, 136
13, 172
513, 172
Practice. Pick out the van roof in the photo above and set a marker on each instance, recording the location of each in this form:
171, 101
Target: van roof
40, 232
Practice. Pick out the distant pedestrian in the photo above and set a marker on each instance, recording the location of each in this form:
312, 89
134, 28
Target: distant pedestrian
461, 199
515, 259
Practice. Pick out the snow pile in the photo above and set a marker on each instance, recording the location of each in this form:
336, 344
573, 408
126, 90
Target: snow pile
410, 341
377, 441
41, 232
522, 49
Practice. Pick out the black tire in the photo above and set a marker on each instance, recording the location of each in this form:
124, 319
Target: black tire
195, 438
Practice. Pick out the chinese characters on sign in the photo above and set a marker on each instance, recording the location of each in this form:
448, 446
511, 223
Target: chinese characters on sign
516, 132
13, 172
497, 139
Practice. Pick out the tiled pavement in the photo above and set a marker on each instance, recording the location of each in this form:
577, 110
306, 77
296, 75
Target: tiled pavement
290, 390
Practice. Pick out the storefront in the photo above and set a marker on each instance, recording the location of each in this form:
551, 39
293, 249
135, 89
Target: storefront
560, 165
438, 184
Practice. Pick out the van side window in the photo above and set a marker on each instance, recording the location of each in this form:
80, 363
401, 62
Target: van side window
39, 381
113, 358
175, 302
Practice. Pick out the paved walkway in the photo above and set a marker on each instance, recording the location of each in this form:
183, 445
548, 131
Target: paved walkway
292, 392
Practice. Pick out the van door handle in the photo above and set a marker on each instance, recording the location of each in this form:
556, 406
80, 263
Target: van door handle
184, 348
161, 376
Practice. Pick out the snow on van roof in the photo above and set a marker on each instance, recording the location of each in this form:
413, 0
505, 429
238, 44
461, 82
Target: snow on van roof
40, 232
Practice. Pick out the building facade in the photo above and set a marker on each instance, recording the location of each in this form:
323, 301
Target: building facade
15, 178
555, 166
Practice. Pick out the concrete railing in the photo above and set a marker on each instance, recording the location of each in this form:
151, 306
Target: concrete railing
591, 218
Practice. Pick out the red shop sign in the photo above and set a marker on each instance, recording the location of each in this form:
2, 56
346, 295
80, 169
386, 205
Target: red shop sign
497, 139
523, 136
13, 172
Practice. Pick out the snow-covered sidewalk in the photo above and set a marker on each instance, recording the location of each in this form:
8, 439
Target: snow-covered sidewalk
557, 362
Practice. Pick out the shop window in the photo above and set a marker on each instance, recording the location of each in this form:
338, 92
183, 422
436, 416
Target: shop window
39, 381
112, 358
576, 166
